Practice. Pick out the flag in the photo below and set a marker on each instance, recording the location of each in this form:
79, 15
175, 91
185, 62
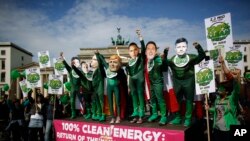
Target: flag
169, 94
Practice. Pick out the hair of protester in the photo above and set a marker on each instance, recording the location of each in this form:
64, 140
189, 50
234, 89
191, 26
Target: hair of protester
228, 85
83, 62
113, 57
179, 40
132, 44
152, 42
73, 58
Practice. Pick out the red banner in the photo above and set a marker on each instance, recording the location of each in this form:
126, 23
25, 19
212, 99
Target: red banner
86, 131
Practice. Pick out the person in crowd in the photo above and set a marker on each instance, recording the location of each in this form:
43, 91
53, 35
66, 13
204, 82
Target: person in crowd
4, 117
116, 83
182, 66
16, 118
38, 93
37, 120
135, 71
50, 113
64, 100
27, 102
225, 105
154, 83
75, 82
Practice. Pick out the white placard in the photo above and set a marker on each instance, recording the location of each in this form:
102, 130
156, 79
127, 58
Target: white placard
44, 59
234, 57
24, 88
204, 77
55, 84
33, 77
219, 31
59, 67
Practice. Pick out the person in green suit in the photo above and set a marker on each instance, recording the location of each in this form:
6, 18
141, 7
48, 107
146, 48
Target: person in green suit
154, 79
135, 71
86, 78
95, 77
116, 82
182, 66
74, 81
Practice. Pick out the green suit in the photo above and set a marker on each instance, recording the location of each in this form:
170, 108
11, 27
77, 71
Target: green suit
96, 80
135, 71
115, 83
75, 87
87, 90
154, 68
183, 80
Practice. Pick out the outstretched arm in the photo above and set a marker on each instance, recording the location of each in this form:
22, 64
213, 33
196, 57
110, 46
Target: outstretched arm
165, 61
101, 60
79, 73
68, 68
143, 47
84, 81
229, 75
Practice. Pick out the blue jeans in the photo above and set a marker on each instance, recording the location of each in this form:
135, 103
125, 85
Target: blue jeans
48, 130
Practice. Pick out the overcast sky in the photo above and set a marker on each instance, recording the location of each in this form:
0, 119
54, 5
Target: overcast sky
67, 25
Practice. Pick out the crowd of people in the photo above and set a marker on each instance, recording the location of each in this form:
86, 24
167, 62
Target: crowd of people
140, 82
30, 119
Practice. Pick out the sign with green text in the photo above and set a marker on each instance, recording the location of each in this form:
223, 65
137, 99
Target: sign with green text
44, 60
219, 32
204, 77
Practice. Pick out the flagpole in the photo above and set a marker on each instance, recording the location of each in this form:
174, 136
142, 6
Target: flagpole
207, 115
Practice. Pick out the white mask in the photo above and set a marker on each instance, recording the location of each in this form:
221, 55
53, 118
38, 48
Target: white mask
150, 51
94, 62
76, 63
181, 48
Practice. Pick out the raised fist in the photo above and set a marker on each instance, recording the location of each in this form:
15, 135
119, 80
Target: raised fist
61, 56
166, 50
195, 44
138, 32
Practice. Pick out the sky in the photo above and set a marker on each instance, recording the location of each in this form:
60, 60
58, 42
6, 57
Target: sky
68, 25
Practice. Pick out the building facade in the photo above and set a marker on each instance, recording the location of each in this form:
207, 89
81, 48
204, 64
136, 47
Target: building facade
11, 56
86, 54
119, 46
246, 44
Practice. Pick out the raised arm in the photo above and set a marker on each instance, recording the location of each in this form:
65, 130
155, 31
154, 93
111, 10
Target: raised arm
165, 61
143, 47
223, 65
201, 53
68, 68
101, 60
79, 73
229, 75
84, 81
